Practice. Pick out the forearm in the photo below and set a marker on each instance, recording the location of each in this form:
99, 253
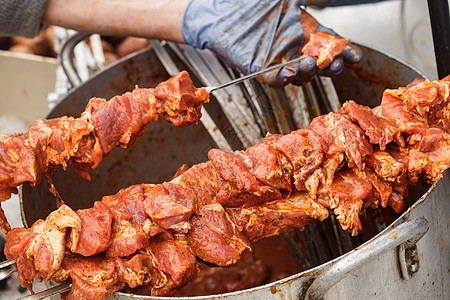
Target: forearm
159, 19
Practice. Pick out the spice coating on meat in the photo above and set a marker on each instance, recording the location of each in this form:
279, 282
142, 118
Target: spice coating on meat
324, 47
215, 238
104, 125
276, 217
380, 130
42, 246
214, 210
170, 206
128, 218
95, 232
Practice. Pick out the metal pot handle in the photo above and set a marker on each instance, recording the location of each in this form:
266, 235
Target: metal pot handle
66, 57
407, 234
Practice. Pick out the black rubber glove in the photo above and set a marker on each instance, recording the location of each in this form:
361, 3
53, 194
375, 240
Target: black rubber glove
250, 35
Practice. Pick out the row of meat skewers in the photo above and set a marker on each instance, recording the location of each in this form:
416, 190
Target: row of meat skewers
152, 235
148, 234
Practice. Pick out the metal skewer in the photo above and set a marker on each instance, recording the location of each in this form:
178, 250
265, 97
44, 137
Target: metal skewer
4, 274
64, 287
7, 263
210, 89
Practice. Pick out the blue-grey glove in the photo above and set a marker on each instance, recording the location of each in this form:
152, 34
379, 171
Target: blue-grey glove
250, 35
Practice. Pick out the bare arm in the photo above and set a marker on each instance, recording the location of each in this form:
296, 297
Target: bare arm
159, 19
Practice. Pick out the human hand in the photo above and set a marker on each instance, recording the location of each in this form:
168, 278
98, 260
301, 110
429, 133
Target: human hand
250, 35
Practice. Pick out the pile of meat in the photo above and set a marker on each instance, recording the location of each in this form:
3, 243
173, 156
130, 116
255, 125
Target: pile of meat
82, 142
343, 163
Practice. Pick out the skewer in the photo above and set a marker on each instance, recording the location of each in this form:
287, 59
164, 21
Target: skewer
7, 263
326, 234
281, 111
298, 106
6, 273
307, 241
253, 75
56, 290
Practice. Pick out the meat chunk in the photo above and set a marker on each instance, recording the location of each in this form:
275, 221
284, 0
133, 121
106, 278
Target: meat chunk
439, 114
170, 206
381, 189
277, 217
339, 134
182, 101
385, 166
95, 234
92, 277
378, 129
45, 243
177, 260
17, 243
215, 238
406, 121
243, 188
203, 180
435, 144
117, 120
420, 97
324, 47
128, 218
139, 270
266, 164
304, 151
345, 196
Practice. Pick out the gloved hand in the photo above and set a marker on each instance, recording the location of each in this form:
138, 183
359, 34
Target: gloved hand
250, 35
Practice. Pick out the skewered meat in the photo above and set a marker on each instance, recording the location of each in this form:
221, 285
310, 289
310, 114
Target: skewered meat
104, 125
216, 209
324, 47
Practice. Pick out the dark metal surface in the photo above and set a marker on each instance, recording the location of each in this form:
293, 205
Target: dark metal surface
440, 27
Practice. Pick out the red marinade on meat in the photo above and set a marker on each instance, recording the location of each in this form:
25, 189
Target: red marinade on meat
82, 142
324, 47
285, 182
